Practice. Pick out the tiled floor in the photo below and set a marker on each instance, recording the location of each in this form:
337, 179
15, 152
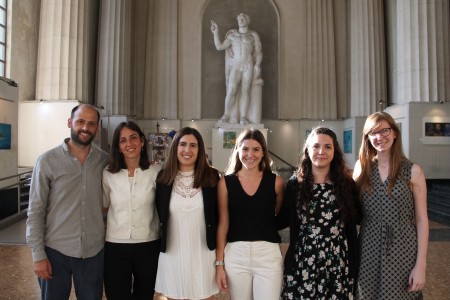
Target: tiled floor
17, 280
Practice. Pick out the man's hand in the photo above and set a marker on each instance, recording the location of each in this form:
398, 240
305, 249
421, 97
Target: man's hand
43, 269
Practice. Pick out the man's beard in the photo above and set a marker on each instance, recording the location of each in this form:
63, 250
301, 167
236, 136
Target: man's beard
74, 137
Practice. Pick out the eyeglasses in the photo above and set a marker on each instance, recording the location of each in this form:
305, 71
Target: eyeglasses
383, 132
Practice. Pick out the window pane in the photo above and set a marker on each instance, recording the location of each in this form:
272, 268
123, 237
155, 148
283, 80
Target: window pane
2, 69
2, 17
2, 35
2, 52
3, 3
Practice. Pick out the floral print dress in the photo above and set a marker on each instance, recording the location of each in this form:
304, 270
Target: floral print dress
321, 253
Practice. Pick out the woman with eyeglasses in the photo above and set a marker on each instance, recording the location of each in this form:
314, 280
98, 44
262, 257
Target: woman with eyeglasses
321, 208
394, 227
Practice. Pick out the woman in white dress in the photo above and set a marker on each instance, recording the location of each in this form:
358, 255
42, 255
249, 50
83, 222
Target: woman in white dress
186, 199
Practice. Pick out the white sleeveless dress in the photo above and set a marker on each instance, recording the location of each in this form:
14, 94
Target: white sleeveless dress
186, 270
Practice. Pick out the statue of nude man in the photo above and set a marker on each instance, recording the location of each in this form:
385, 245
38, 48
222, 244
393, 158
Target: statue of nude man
243, 56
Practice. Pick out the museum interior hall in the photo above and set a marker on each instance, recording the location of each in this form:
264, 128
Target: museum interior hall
221, 66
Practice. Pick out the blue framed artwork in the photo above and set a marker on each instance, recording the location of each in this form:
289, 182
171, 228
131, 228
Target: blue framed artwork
347, 141
5, 136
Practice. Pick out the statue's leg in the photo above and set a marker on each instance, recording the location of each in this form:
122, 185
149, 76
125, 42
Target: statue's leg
230, 99
244, 102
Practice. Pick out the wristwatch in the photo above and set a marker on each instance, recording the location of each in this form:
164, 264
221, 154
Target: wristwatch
219, 263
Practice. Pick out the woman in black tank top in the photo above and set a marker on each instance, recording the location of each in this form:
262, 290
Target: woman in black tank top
248, 257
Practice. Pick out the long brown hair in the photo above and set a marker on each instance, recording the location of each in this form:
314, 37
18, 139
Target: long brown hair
116, 160
346, 196
204, 174
234, 164
367, 153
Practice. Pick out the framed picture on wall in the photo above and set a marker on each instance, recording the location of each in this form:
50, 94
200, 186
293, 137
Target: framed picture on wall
436, 130
5, 136
159, 144
348, 141
229, 139
307, 132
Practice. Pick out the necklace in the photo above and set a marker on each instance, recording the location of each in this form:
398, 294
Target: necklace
184, 185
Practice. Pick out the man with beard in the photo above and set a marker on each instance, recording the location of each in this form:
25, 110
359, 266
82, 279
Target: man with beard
65, 228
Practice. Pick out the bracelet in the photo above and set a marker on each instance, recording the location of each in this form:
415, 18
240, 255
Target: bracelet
219, 263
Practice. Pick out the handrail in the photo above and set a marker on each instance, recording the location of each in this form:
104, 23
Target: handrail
20, 183
282, 160
17, 175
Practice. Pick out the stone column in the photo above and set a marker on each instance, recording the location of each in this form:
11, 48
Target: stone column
114, 57
319, 96
368, 84
137, 60
67, 50
423, 54
157, 69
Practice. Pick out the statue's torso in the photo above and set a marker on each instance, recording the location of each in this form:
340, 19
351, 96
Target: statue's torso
242, 45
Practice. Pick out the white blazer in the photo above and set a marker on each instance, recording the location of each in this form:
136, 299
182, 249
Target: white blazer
132, 215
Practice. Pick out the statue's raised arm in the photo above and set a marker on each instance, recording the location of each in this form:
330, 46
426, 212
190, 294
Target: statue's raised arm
219, 45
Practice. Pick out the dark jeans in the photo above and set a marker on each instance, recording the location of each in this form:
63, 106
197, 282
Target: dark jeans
87, 276
130, 270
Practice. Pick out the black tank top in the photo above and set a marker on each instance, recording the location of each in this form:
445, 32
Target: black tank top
252, 218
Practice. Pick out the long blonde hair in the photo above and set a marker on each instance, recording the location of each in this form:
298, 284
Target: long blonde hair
367, 152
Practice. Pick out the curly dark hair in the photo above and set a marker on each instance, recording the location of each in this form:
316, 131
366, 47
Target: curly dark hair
344, 186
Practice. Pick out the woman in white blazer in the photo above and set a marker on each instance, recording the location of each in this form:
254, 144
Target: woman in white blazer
132, 234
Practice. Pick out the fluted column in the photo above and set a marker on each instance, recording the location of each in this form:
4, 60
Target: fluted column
423, 53
156, 59
319, 97
368, 84
67, 50
114, 57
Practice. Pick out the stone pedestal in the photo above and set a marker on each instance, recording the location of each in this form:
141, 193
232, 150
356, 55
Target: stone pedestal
223, 140
255, 109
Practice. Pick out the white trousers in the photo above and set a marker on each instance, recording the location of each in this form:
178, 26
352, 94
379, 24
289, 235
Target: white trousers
254, 270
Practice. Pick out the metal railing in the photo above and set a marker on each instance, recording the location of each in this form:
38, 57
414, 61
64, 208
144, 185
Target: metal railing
282, 160
286, 170
22, 184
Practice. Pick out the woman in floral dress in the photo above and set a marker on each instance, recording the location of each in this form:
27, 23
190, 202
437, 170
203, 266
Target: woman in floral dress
321, 208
